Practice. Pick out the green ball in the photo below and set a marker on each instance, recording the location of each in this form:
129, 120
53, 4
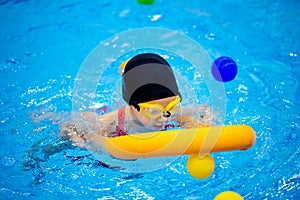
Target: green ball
146, 1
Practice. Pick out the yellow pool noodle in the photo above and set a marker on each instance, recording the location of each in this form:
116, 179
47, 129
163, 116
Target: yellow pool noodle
183, 141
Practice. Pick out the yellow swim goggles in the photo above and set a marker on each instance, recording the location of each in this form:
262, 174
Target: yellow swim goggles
155, 110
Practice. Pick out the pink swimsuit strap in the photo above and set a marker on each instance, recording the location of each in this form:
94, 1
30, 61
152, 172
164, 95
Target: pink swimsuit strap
121, 121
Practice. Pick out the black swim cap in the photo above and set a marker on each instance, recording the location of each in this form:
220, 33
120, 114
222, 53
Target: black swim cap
148, 77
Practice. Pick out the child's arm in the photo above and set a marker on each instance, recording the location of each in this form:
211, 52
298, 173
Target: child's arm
189, 122
84, 127
193, 116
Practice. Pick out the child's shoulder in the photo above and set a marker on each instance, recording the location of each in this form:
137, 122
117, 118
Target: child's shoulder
110, 118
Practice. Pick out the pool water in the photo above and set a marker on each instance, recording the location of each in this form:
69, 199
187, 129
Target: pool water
44, 43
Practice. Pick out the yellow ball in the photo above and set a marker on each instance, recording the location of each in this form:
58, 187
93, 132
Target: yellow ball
228, 195
200, 168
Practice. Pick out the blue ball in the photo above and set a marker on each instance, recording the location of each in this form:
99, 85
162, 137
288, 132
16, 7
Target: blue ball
224, 69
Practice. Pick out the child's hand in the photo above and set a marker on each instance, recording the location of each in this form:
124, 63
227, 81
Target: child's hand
77, 140
206, 115
190, 122
70, 132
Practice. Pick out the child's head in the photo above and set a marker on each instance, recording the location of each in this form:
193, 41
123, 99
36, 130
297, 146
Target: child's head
148, 78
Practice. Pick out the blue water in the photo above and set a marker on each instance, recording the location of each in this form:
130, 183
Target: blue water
43, 44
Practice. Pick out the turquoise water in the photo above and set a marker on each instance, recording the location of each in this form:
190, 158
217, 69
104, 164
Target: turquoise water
43, 44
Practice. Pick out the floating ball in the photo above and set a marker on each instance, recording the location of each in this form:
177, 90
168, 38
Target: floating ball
224, 69
228, 195
123, 65
200, 168
146, 1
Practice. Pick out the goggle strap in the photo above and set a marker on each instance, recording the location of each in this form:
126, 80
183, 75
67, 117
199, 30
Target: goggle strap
137, 107
167, 115
174, 103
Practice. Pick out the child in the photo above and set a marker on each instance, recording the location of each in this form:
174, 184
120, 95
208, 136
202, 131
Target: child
149, 88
